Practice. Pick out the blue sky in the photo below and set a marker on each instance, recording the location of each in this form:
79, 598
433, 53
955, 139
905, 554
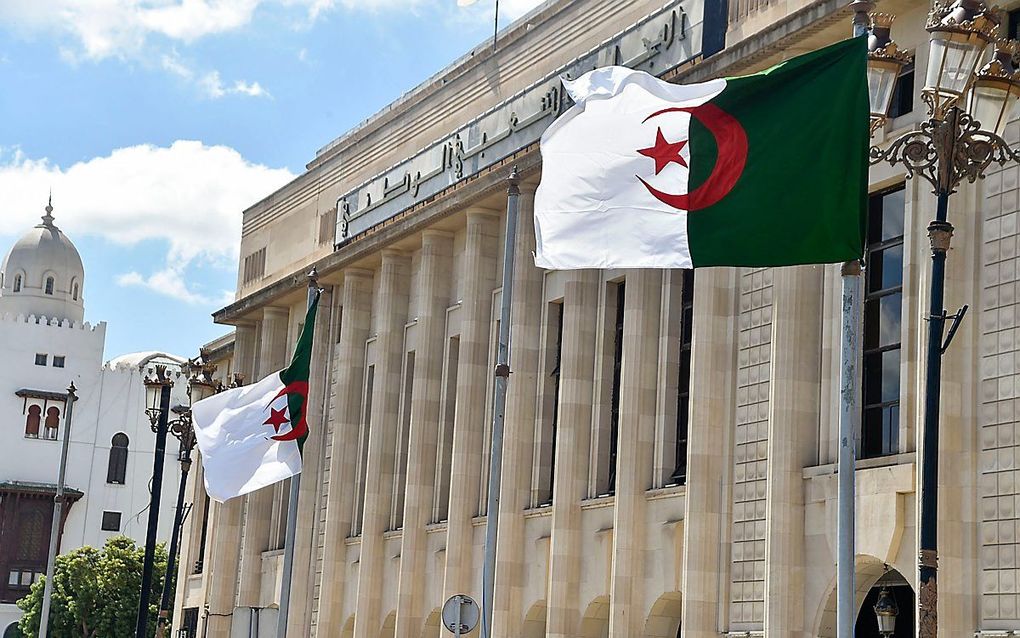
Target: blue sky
155, 122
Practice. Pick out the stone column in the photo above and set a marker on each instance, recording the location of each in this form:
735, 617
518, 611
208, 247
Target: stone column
573, 443
224, 532
709, 451
519, 432
391, 310
793, 441
345, 413
258, 513
423, 437
481, 249
299, 618
635, 449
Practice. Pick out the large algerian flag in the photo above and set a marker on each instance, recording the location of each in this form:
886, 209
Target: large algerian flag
252, 436
769, 169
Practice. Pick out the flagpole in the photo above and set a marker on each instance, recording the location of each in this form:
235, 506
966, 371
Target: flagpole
849, 414
502, 374
292, 509
58, 511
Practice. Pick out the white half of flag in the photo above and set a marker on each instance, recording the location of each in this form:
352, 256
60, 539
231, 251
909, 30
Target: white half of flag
234, 431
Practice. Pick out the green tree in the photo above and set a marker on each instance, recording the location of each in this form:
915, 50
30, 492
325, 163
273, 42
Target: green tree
95, 592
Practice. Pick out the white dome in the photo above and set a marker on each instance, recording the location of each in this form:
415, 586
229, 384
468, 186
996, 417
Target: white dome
43, 275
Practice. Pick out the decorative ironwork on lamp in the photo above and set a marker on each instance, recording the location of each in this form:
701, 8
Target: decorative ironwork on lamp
886, 612
885, 62
960, 33
153, 390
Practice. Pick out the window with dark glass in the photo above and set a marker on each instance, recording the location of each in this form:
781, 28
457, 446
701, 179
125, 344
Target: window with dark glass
40, 359
551, 405
111, 521
1014, 24
189, 623
883, 302
903, 92
74, 292
200, 562
17, 283
49, 285
614, 406
683, 386
116, 467
52, 422
58, 362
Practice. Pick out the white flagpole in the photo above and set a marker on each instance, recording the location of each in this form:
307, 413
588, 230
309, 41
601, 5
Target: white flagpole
849, 416
292, 506
58, 512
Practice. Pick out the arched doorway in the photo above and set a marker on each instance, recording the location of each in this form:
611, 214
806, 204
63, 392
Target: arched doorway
534, 621
664, 617
595, 622
433, 625
872, 575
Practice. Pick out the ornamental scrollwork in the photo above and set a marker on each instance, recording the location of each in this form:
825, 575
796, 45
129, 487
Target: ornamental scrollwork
946, 152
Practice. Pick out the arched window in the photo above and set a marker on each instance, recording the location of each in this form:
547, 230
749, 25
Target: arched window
32, 421
49, 285
17, 282
74, 292
52, 422
116, 468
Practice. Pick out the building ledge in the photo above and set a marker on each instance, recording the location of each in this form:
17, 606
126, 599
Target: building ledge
45, 395
670, 491
42, 489
891, 460
598, 502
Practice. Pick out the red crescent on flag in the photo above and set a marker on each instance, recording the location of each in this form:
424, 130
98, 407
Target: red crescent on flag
730, 139
297, 430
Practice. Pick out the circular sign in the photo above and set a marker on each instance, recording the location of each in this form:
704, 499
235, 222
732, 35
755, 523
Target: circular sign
460, 614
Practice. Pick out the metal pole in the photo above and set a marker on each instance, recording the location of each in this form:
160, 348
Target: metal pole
502, 373
849, 413
171, 559
495, 27
292, 510
940, 233
142, 620
58, 513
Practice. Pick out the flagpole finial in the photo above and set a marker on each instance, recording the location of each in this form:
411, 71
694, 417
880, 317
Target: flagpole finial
514, 182
313, 277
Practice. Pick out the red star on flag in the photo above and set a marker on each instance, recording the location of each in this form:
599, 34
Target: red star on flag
277, 418
664, 152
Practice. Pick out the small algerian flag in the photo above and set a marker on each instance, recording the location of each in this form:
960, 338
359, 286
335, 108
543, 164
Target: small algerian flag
769, 169
252, 436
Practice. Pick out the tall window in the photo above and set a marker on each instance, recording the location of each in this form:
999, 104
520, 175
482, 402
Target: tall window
200, 561
32, 421
545, 460
49, 285
683, 386
52, 422
400, 453
366, 430
883, 301
17, 283
74, 291
444, 463
116, 467
614, 406
903, 92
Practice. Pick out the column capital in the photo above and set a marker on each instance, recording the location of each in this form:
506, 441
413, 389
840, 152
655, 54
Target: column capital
482, 214
357, 273
432, 234
529, 188
392, 255
274, 312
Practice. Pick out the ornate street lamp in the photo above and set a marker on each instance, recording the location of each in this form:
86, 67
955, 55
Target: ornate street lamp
886, 612
953, 144
885, 61
157, 402
201, 385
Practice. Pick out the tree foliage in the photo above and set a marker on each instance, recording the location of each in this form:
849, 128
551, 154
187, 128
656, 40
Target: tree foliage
95, 592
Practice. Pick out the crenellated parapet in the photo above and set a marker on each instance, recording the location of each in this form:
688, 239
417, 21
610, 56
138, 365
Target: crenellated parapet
53, 322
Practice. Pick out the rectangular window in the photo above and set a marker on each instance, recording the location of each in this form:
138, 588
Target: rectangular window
400, 453
683, 386
200, 562
545, 452
903, 92
1013, 26
366, 429
111, 521
189, 623
614, 406
40, 359
58, 362
883, 301
448, 413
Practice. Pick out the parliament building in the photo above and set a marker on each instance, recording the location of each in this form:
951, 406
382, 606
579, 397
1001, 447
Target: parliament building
669, 466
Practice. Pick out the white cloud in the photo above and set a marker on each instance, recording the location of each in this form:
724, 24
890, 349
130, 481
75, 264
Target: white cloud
187, 197
210, 83
170, 282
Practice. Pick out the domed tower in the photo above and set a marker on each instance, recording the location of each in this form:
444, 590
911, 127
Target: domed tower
43, 275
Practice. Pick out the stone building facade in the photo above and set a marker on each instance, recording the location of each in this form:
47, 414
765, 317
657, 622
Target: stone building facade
671, 437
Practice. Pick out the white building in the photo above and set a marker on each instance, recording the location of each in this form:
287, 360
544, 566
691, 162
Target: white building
45, 345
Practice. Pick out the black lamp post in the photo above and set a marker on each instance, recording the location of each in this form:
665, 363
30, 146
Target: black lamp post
950, 146
157, 392
200, 386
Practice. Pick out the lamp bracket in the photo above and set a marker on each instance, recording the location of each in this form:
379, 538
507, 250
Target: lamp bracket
957, 319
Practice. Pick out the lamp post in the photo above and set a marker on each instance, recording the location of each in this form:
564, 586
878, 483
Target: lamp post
200, 386
157, 401
886, 612
950, 146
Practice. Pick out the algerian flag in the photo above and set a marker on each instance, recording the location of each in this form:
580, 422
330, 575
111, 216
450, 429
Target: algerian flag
769, 169
252, 436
